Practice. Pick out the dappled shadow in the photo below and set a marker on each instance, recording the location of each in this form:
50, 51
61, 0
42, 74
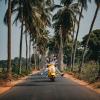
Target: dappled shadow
36, 83
29, 85
41, 80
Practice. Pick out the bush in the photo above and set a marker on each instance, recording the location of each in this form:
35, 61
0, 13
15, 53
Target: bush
90, 72
67, 69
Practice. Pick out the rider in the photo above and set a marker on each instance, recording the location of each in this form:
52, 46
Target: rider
51, 69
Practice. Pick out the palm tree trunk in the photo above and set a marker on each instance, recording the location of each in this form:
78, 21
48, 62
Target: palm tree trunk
30, 51
35, 60
98, 77
36, 51
21, 39
43, 60
61, 51
72, 48
75, 43
9, 41
26, 52
85, 48
40, 61
72, 62
20, 51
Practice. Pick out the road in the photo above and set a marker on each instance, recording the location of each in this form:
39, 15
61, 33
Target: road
37, 87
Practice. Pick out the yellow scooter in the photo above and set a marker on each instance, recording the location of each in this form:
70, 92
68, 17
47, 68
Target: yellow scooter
51, 72
51, 76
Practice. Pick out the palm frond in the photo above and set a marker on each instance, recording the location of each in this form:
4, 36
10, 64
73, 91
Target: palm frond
66, 2
6, 18
53, 7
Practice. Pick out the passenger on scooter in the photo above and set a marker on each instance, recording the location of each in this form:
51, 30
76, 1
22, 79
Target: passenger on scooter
51, 70
51, 67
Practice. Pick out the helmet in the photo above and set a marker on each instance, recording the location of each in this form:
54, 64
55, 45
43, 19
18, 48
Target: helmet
48, 65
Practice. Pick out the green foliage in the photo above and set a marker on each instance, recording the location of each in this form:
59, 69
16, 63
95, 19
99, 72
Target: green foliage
67, 69
65, 16
15, 69
53, 44
67, 54
90, 72
93, 52
66, 2
2, 75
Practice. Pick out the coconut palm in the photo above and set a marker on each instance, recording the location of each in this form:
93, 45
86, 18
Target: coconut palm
42, 46
30, 51
83, 4
40, 20
97, 2
29, 13
72, 52
33, 15
9, 40
7, 21
64, 20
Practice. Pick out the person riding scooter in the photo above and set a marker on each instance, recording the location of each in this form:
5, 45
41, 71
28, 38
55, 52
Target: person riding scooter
51, 71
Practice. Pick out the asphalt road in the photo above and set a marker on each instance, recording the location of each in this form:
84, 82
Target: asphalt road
37, 87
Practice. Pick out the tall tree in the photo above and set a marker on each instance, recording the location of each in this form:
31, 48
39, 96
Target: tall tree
28, 13
42, 46
30, 51
64, 18
26, 51
72, 51
89, 34
21, 36
61, 50
17, 6
9, 40
33, 15
93, 52
83, 4
7, 21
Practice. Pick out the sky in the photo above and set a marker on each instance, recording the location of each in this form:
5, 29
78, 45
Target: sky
84, 29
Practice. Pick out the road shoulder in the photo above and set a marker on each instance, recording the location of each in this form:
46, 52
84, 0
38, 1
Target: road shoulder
81, 82
7, 86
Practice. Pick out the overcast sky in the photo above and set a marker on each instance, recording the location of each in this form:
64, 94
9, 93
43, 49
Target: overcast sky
84, 28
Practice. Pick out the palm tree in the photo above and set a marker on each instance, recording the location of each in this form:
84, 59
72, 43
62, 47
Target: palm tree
32, 14
83, 6
17, 6
61, 50
89, 34
7, 21
42, 46
44, 20
21, 38
72, 52
20, 49
64, 18
26, 51
9, 40
30, 51
31, 22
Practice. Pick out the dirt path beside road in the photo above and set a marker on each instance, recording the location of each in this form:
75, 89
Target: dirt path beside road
81, 82
7, 86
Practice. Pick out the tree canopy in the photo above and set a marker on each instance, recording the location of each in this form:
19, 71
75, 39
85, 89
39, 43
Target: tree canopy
93, 52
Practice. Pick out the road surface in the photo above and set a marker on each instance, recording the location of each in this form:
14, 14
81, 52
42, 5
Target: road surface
37, 87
